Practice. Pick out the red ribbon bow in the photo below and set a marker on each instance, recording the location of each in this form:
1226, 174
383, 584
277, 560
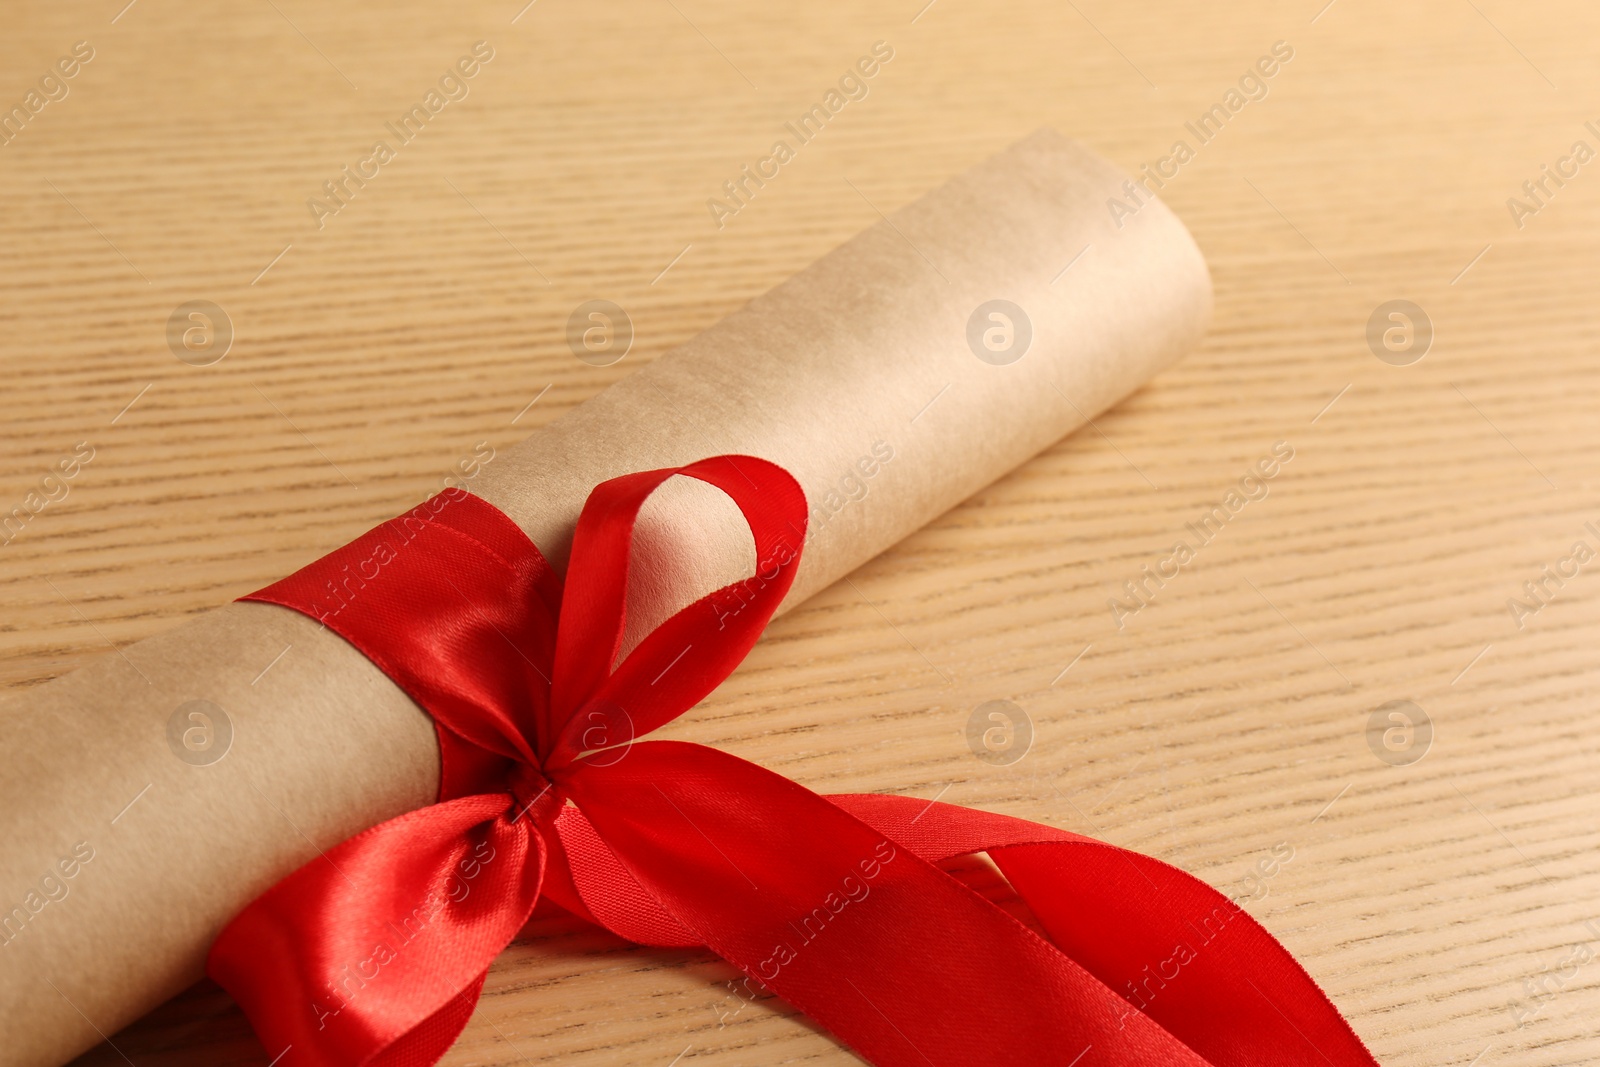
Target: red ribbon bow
375, 953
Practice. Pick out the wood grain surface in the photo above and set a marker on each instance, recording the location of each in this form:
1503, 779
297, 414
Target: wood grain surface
1449, 904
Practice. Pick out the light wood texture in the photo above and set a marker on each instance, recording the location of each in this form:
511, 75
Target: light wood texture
1432, 900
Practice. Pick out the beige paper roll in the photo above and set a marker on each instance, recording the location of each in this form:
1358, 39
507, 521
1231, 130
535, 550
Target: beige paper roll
881, 376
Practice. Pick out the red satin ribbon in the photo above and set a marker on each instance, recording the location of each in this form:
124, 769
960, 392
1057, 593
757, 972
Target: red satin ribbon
374, 954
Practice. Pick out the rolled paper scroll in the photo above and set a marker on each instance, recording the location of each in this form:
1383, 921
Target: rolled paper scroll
940, 349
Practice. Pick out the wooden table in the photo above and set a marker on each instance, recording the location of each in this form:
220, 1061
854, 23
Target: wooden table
1449, 904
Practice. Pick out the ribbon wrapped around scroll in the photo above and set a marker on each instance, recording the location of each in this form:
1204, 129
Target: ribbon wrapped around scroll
374, 953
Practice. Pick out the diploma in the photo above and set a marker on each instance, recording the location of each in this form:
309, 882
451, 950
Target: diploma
148, 797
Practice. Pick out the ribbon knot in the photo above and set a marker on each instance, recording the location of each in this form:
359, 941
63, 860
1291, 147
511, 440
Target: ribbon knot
373, 953
534, 795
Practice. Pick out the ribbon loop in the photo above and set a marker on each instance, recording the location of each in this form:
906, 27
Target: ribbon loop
690, 654
372, 945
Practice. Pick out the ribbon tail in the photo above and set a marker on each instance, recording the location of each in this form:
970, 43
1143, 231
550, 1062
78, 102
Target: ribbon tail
606, 893
1185, 955
894, 956
424, 1044
1174, 950
374, 953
